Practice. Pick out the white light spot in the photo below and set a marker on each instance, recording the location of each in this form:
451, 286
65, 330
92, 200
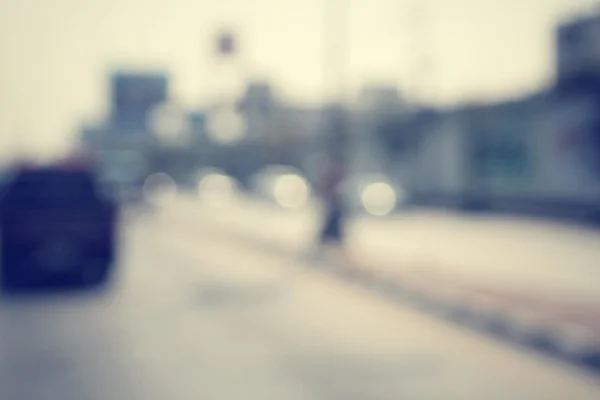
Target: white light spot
217, 190
226, 126
291, 191
169, 122
378, 198
160, 189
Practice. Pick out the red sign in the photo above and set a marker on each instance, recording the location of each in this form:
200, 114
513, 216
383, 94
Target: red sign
226, 44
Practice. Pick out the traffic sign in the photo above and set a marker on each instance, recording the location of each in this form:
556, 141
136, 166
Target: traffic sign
226, 44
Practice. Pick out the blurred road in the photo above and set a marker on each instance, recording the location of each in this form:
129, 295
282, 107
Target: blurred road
196, 316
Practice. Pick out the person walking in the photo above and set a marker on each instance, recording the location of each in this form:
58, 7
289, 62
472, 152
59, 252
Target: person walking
330, 191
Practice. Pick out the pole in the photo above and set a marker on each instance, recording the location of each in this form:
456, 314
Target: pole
418, 72
336, 37
421, 65
335, 34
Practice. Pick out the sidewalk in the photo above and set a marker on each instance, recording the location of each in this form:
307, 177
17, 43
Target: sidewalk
531, 277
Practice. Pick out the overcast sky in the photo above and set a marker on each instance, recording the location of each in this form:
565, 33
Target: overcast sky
55, 54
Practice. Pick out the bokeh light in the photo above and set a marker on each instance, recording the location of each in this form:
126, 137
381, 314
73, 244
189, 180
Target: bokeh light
160, 189
170, 123
217, 190
226, 126
378, 199
291, 191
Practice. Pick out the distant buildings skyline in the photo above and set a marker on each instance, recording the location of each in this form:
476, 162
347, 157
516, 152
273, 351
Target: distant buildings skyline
76, 45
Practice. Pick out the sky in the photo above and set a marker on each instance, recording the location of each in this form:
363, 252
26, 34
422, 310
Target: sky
55, 56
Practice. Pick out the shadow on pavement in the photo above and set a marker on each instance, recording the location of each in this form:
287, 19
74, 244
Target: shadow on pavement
221, 295
55, 288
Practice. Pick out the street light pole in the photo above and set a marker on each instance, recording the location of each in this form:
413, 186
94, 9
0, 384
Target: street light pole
335, 38
421, 69
335, 35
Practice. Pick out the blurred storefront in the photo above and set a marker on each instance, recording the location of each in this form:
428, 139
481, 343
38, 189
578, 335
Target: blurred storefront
534, 153
499, 141
537, 152
567, 155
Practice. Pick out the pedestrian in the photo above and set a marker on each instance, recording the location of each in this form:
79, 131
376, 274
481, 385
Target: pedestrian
330, 191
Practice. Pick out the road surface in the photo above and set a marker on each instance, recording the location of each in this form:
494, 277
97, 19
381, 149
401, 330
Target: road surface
193, 316
514, 252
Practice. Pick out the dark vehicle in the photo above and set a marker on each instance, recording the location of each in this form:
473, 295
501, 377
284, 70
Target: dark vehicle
55, 223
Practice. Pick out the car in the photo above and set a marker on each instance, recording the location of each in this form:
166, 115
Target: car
54, 222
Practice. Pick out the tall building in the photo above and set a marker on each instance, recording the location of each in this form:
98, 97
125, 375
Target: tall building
133, 95
578, 54
577, 88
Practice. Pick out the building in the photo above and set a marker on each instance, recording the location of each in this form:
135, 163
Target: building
257, 105
90, 136
198, 128
122, 143
376, 104
577, 90
578, 55
133, 96
380, 98
474, 152
536, 153
532, 155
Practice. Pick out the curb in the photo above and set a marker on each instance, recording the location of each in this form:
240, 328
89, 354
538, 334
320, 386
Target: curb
567, 342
